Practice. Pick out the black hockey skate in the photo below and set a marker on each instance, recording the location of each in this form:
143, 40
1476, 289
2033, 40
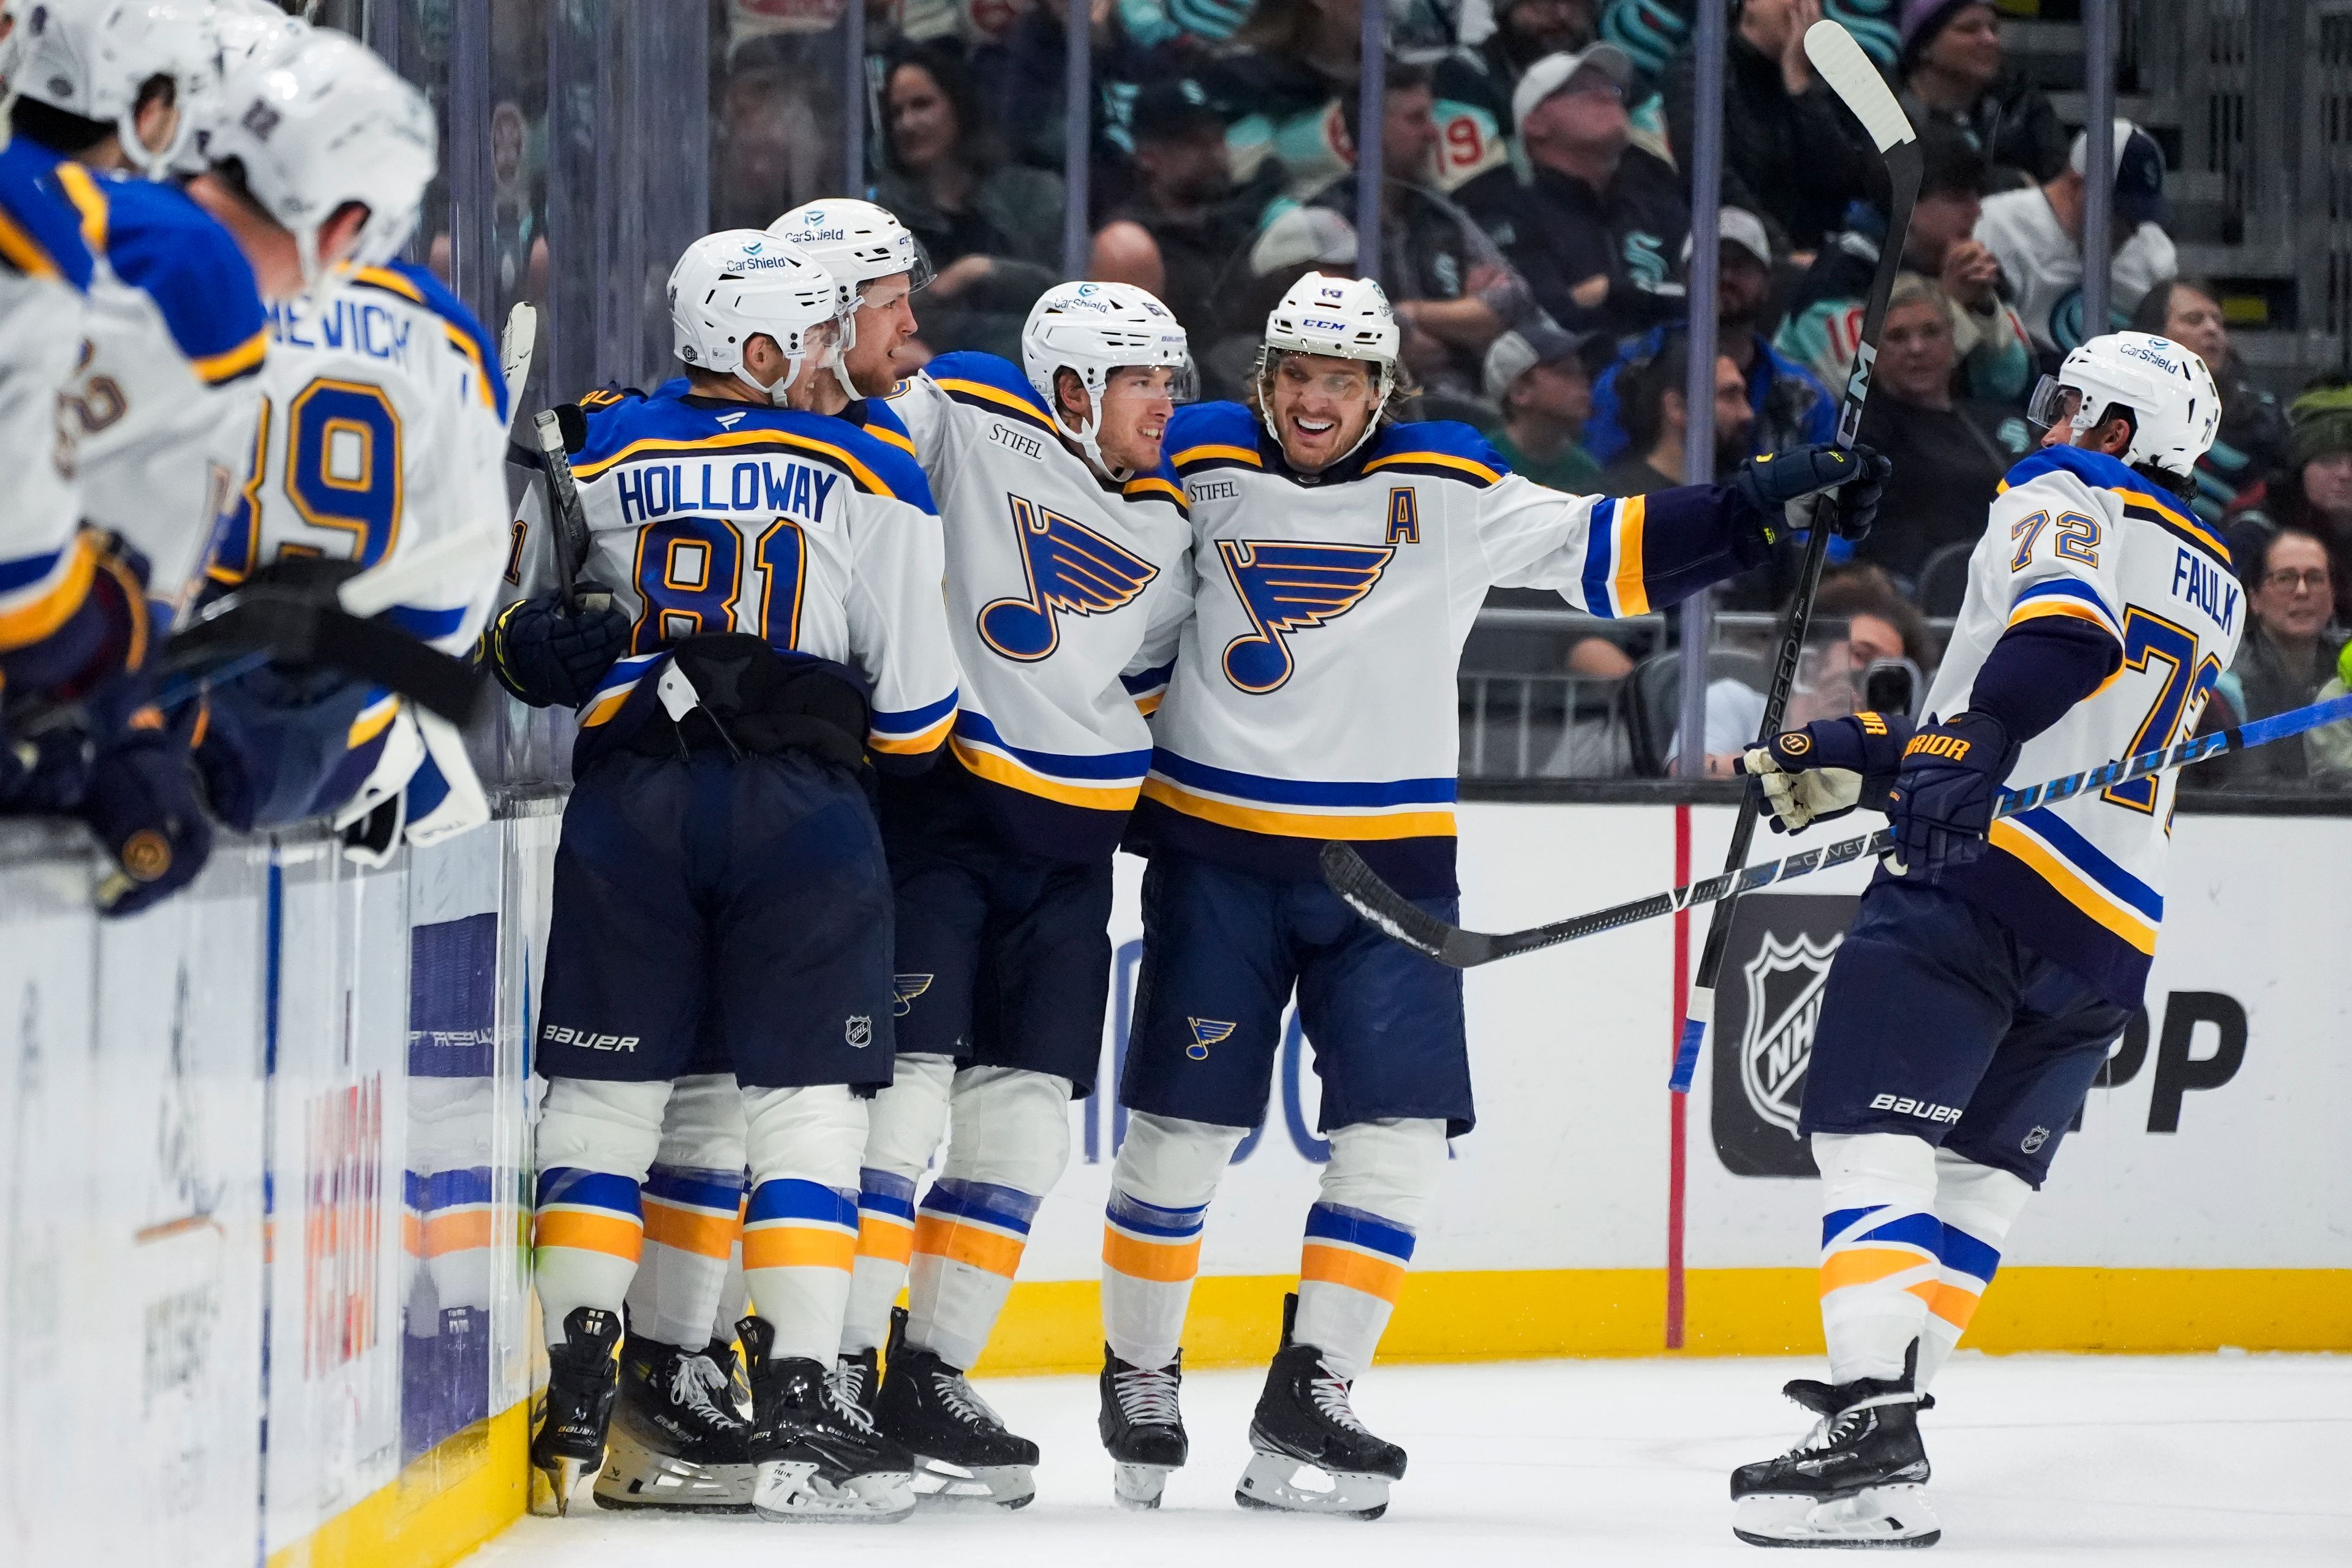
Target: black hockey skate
738, 1398
1305, 1423
1141, 1427
963, 1455
816, 1455
1858, 1480
569, 1439
858, 1379
676, 1442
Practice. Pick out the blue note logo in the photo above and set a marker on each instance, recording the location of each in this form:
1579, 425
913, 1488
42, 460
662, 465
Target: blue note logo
1288, 586
1070, 569
908, 987
1206, 1032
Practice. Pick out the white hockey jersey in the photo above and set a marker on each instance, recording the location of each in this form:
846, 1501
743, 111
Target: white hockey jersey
2078, 534
2043, 266
382, 427
45, 568
167, 397
1314, 696
1066, 597
707, 516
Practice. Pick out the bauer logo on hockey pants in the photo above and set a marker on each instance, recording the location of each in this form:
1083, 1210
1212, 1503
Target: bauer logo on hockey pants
584, 1039
1904, 1105
1784, 1003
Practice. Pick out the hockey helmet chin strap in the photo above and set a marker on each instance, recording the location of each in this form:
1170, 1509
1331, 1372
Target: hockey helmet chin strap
776, 391
1088, 435
1268, 355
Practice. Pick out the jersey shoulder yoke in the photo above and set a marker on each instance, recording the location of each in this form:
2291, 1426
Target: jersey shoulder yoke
673, 421
39, 235
1203, 436
161, 243
1439, 448
466, 337
991, 382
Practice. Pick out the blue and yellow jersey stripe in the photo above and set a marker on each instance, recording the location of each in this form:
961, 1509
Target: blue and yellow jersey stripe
762, 439
2068, 596
1613, 582
465, 333
913, 732
161, 243
1108, 782
1297, 808
1439, 465
39, 593
613, 692
2083, 875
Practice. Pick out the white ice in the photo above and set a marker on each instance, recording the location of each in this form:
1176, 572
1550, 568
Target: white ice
2166, 1460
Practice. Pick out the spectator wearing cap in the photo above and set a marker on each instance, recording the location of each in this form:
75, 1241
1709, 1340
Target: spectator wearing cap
2288, 654
1658, 421
1178, 233
1788, 153
2316, 493
1536, 375
1454, 292
1788, 405
2248, 451
2037, 236
1595, 229
1953, 73
1474, 84
1988, 337
1948, 456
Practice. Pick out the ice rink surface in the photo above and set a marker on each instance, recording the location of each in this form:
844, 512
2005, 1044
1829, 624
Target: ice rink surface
2038, 1460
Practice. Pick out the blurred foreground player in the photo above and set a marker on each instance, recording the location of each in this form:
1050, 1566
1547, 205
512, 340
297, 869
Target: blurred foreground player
1341, 559
1983, 983
774, 617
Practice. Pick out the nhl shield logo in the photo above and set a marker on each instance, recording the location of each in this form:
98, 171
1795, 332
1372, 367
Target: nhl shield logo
1784, 1004
857, 1032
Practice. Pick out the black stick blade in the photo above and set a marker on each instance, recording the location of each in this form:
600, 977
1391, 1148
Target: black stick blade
1345, 873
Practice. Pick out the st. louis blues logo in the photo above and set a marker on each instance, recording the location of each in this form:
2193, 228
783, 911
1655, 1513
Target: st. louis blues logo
1206, 1032
1287, 587
1070, 569
908, 987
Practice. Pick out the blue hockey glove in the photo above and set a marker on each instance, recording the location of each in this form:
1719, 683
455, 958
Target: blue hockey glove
1771, 484
552, 659
1826, 769
1941, 804
272, 738
141, 803
45, 775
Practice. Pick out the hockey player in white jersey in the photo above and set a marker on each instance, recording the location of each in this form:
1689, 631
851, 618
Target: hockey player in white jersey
1342, 560
1069, 579
1992, 964
381, 429
773, 619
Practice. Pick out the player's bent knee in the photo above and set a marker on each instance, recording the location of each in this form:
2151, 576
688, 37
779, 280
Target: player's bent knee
815, 1133
1983, 1200
905, 1121
1170, 1162
591, 1125
703, 1127
1012, 1129
1871, 1159
1389, 1168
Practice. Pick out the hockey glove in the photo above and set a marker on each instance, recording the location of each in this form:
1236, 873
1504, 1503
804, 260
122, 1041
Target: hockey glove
46, 774
1826, 769
1772, 484
143, 805
1941, 805
552, 659
273, 737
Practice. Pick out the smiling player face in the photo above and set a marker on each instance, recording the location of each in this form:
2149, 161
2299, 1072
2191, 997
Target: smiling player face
1321, 405
1136, 404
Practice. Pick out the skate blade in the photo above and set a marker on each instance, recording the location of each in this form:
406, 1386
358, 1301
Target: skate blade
943, 1488
637, 1476
789, 1491
552, 1490
1137, 1487
1875, 1519
1294, 1485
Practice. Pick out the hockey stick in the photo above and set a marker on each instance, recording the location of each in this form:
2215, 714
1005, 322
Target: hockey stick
516, 343
1859, 86
572, 540
1356, 882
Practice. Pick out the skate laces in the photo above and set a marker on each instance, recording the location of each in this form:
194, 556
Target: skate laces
1147, 1395
1329, 1392
963, 1401
693, 1381
845, 1381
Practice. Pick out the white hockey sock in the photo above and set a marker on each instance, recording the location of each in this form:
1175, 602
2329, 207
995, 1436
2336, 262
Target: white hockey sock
1977, 1206
1881, 1243
595, 1142
1009, 1142
1376, 1188
800, 1230
693, 1201
903, 1127
1166, 1174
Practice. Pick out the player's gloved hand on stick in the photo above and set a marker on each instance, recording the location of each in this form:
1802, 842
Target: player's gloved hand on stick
552, 658
1773, 483
143, 804
1827, 768
1941, 805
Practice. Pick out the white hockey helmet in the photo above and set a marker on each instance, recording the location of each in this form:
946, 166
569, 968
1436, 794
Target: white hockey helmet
857, 242
323, 124
92, 57
738, 283
242, 31
1092, 329
2175, 407
1343, 318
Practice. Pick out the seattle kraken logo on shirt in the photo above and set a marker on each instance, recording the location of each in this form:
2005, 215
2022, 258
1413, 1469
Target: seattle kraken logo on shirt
1069, 568
1289, 587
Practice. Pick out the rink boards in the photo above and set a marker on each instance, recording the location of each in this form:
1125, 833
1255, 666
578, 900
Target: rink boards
258, 1139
